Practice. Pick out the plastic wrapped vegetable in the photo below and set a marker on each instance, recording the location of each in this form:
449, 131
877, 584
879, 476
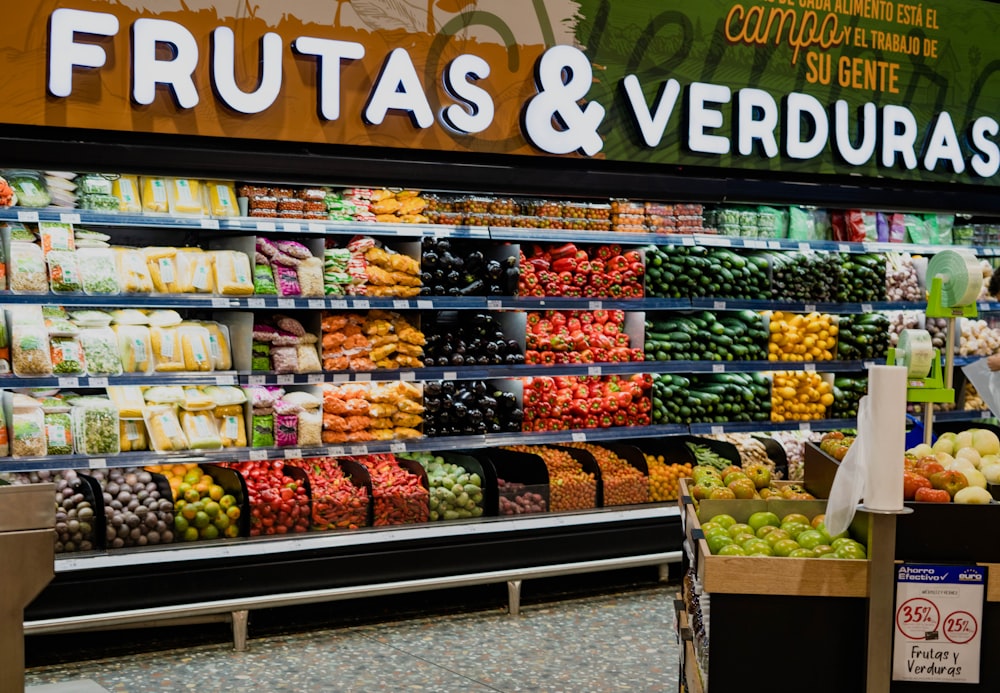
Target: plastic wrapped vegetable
310, 276
67, 356
126, 190
56, 236
64, 272
195, 271
263, 431
200, 429
222, 199
260, 356
30, 347
30, 188
95, 427
225, 395
154, 196
28, 427
128, 399
133, 273
100, 349
162, 265
218, 346
135, 347
195, 349
185, 196
165, 432
287, 280
232, 425
164, 394
99, 271
233, 276
133, 435
310, 431
27, 269
59, 431
167, 354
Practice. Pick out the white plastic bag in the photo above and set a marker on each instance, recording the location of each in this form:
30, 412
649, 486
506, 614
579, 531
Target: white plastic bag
849, 483
987, 383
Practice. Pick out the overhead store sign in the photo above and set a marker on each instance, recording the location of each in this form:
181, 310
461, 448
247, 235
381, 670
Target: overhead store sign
876, 87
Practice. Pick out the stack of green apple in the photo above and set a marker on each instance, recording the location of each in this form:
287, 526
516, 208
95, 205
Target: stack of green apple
743, 483
764, 534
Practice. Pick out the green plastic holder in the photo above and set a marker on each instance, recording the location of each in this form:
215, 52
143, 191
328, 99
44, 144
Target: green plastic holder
936, 310
929, 389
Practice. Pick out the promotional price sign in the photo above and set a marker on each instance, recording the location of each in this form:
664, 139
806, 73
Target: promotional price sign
939, 619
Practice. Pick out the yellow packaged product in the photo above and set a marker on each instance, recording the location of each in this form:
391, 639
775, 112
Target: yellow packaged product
128, 399
200, 430
218, 346
168, 356
133, 435
165, 432
162, 265
133, 273
185, 196
195, 350
232, 426
164, 394
221, 199
195, 271
126, 189
226, 395
233, 275
195, 399
136, 348
154, 195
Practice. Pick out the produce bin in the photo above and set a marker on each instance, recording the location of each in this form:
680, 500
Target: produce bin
488, 481
590, 466
233, 483
102, 479
328, 515
526, 476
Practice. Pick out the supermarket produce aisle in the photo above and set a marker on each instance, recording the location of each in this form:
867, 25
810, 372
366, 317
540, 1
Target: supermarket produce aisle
614, 642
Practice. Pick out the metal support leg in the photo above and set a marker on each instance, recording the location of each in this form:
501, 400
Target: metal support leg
664, 569
881, 604
240, 619
514, 597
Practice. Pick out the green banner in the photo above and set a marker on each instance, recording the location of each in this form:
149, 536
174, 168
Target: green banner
905, 64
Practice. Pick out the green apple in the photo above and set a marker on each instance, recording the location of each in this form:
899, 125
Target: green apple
717, 531
700, 474
840, 541
822, 550
777, 535
759, 475
810, 539
784, 547
765, 530
731, 550
709, 526
740, 538
717, 542
757, 547
796, 517
726, 521
740, 528
802, 553
763, 519
733, 476
794, 529
854, 550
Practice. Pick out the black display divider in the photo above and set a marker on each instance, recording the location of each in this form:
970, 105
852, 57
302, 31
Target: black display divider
233, 483
776, 453
93, 492
517, 468
359, 476
590, 466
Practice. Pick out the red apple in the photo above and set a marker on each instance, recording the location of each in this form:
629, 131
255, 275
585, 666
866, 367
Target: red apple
952, 482
932, 495
912, 481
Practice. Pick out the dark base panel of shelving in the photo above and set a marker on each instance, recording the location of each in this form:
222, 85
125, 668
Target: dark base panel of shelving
186, 582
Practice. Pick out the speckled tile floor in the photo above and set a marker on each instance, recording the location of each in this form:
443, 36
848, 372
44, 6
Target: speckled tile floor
615, 642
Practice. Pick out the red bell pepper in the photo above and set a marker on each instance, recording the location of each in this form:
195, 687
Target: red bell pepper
566, 250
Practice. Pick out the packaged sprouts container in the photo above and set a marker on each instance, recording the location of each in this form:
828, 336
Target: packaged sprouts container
27, 269
165, 432
95, 426
64, 272
100, 349
67, 356
27, 427
58, 430
56, 236
30, 349
98, 271
30, 188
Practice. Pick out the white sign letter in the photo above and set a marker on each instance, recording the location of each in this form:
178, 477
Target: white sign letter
987, 162
330, 53
943, 144
398, 88
148, 70
842, 123
903, 142
651, 125
701, 118
797, 106
65, 53
224, 72
458, 83
749, 128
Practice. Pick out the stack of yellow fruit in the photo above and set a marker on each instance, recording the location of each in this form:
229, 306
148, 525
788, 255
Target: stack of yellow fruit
794, 337
202, 508
664, 479
799, 396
